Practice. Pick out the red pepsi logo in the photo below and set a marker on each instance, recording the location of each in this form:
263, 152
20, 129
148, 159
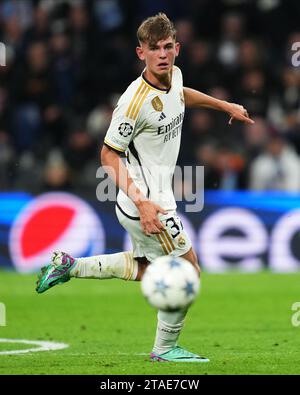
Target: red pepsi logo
54, 221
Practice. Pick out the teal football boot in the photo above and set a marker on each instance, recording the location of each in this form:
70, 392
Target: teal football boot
177, 354
57, 272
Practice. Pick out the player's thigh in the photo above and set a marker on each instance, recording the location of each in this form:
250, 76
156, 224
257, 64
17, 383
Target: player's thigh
172, 241
141, 243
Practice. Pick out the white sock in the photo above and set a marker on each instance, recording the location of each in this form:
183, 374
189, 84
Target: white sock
169, 326
121, 265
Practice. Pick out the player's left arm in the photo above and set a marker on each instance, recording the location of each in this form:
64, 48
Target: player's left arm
196, 99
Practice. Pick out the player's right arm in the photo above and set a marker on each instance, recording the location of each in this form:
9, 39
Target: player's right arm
120, 133
148, 210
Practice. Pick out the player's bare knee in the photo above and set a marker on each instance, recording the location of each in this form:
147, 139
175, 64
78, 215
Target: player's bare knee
142, 266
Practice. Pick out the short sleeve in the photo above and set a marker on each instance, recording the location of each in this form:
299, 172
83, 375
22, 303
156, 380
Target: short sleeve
124, 123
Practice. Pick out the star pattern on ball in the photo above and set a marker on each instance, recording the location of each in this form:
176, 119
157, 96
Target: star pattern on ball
161, 287
189, 288
173, 263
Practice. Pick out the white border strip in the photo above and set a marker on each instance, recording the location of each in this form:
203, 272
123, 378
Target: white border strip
43, 346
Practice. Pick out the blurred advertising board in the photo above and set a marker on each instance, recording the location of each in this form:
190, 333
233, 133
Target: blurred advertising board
241, 231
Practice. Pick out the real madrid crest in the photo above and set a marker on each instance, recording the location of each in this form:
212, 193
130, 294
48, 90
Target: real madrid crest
157, 104
181, 241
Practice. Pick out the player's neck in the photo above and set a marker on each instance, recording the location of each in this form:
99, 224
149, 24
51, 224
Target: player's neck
158, 81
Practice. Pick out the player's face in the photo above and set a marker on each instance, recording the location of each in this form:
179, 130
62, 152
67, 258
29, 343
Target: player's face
159, 57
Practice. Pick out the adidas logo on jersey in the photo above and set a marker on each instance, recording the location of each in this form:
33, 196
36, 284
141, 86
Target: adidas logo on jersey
162, 116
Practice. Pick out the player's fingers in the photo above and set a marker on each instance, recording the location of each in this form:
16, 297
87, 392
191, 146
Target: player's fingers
145, 228
154, 230
147, 232
243, 118
159, 225
161, 210
247, 119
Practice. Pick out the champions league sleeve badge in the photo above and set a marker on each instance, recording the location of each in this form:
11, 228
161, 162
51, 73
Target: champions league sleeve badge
125, 129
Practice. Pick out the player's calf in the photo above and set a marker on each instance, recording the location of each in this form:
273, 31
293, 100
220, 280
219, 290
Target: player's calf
192, 257
62, 267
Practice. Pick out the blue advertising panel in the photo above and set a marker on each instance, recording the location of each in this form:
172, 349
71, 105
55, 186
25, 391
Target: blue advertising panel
235, 230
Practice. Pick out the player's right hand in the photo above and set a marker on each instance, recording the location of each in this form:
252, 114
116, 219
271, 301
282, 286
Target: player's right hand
149, 217
239, 113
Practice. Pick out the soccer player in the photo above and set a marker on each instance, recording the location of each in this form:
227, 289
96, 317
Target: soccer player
146, 126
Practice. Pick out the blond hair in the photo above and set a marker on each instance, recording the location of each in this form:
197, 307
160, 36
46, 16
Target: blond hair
156, 28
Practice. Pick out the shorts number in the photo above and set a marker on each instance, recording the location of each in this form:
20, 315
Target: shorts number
174, 226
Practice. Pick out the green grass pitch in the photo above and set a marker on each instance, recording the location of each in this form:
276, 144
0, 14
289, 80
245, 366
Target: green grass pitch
242, 322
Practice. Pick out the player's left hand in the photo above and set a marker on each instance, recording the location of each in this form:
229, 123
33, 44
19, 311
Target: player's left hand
239, 113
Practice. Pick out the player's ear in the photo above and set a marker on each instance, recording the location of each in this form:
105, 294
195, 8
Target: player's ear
177, 48
140, 53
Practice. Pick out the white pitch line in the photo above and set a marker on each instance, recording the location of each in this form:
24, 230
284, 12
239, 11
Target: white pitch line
43, 346
143, 354
81, 354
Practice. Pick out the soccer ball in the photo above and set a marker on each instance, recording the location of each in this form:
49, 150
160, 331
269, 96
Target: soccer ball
170, 284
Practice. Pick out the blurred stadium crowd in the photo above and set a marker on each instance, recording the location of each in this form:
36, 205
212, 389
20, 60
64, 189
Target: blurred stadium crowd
69, 60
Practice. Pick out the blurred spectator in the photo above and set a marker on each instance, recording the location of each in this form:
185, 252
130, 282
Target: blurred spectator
199, 127
232, 32
85, 48
12, 37
230, 165
250, 56
206, 155
176, 8
256, 137
6, 161
223, 166
253, 94
21, 10
34, 97
81, 154
79, 30
185, 32
27, 172
62, 68
56, 173
34, 79
186, 37
202, 72
290, 90
98, 121
80, 148
53, 6
277, 168
201, 124
66, 58
4, 111
108, 15
40, 29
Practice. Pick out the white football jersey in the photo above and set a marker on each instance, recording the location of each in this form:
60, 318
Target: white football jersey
146, 126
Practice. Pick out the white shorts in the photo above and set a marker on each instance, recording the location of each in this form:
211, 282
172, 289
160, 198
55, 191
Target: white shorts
172, 241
